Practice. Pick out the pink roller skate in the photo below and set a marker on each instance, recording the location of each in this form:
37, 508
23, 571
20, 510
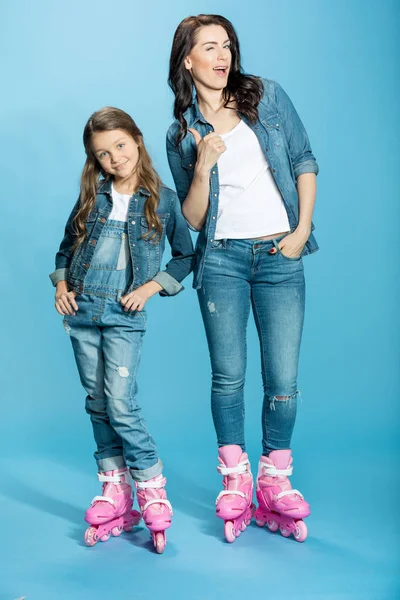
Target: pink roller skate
235, 502
155, 508
111, 512
279, 506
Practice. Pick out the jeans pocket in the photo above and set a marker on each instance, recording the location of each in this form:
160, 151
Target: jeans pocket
279, 251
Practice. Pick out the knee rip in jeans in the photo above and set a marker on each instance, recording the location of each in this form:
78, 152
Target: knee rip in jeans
273, 399
123, 371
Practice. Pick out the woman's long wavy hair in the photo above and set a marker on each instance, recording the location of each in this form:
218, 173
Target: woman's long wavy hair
108, 119
246, 90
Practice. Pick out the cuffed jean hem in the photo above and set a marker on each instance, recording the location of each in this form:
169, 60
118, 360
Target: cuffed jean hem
111, 463
146, 474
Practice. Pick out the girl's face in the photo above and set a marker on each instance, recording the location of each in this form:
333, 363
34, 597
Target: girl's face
117, 152
210, 58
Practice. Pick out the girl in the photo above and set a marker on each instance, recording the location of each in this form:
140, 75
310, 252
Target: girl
107, 267
245, 176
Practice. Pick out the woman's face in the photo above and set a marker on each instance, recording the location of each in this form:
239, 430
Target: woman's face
209, 60
117, 152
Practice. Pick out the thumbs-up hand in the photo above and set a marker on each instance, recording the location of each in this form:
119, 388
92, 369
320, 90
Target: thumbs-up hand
209, 149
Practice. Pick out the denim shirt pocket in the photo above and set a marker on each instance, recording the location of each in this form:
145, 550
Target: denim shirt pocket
189, 162
272, 126
91, 221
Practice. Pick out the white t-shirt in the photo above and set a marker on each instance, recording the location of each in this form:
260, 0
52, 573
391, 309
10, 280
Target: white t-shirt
250, 203
120, 207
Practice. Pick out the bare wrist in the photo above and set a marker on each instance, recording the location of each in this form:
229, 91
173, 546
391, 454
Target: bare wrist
202, 173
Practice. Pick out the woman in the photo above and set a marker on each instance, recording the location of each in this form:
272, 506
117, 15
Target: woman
245, 175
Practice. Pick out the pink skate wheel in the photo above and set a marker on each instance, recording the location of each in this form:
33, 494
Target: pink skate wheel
272, 525
91, 536
229, 532
284, 531
159, 541
243, 526
260, 522
301, 531
116, 531
128, 528
105, 537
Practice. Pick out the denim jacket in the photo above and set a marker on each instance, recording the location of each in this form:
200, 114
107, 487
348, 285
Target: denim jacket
146, 254
285, 145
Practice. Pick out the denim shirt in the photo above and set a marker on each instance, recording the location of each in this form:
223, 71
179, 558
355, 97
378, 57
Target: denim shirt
285, 145
146, 254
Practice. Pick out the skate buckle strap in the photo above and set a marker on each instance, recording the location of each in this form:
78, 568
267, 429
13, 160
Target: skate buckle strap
229, 493
239, 469
111, 478
272, 471
158, 501
289, 493
142, 485
103, 499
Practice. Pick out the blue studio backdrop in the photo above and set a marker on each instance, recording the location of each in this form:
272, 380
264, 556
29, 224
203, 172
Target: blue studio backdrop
61, 61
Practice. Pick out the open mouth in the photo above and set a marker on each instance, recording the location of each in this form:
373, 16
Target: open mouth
221, 71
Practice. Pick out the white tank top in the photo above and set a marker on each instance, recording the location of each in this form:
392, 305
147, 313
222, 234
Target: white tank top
250, 203
120, 207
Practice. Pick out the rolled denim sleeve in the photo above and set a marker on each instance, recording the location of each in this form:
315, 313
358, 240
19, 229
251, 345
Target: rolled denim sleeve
301, 154
64, 254
182, 251
181, 177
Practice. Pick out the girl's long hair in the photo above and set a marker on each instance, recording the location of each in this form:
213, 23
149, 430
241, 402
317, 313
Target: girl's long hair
108, 119
246, 90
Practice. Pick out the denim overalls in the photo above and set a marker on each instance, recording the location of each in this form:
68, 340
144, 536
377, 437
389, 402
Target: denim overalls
107, 344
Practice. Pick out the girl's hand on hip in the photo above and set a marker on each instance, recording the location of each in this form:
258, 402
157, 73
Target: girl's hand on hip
135, 300
65, 301
209, 149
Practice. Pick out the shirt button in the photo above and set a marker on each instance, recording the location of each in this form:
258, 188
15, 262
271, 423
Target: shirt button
102, 220
211, 240
86, 265
133, 244
94, 318
277, 124
213, 217
135, 199
93, 242
133, 222
190, 165
215, 195
213, 172
137, 268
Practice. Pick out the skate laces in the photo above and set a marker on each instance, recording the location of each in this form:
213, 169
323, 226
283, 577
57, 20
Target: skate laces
159, 484
238, 470
272, 471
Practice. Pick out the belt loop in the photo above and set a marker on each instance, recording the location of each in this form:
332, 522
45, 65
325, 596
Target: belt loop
276, 245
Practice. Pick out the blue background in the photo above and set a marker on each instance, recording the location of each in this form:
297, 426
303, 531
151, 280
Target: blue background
339, 63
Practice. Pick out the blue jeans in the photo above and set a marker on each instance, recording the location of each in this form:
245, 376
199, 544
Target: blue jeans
239, 274
107, 344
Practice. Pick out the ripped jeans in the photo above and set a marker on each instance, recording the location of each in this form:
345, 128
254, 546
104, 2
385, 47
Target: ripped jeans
239, 274
107, 344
